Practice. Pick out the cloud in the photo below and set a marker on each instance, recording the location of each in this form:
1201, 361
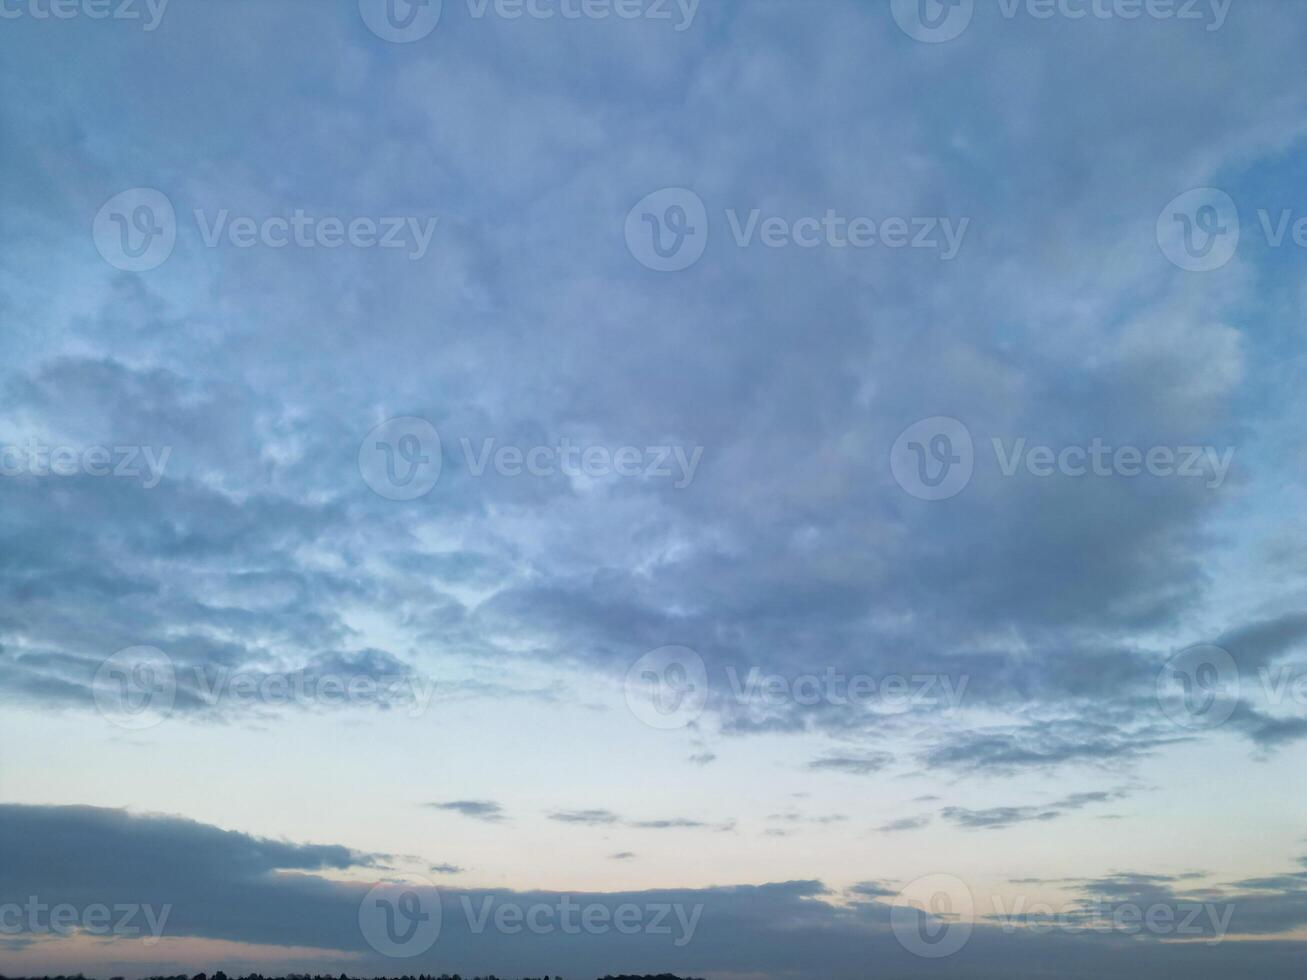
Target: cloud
1262, 642
794, 817
1006, 816
63, 843
861, 765
904, 823
672, 823
1003, 816
234, 886
593, 817
759, 564
476, 809
606, 818
1046, 745
795, 550
873, 889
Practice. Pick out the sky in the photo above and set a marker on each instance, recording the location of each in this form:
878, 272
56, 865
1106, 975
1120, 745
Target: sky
756, 490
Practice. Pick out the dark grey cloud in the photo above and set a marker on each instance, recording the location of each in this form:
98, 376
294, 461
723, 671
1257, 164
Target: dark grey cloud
1254, 907
63, 838
1048, 744
904, 823
1268, 731
794, 550
1003, 816
839, 559
476, 809
1006, 816
238, 887
1261, 643
874, 889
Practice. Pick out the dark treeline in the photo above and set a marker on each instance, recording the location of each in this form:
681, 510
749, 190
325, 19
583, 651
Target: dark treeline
305, 976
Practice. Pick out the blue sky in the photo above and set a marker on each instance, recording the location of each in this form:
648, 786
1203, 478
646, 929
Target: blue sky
832, 465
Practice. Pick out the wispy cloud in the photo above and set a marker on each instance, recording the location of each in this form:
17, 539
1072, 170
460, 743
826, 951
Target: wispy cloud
476, 809
865, 764
994, 818
904, 823
593, 817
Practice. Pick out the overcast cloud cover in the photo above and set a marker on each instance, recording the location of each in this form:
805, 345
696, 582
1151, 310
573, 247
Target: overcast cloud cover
739, 647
